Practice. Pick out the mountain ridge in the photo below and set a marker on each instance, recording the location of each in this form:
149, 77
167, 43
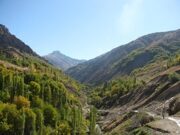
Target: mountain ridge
106, 66
9, 41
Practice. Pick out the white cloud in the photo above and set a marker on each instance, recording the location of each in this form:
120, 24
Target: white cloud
130, 14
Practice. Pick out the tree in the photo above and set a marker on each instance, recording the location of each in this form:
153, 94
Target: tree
21, 101
8, 82
30, 122
4, 96
50, 115
12, 119
34, 88
37, 102
1, 80
47, 93
92, 120
74, 121
39, 121
18, 86
63, 128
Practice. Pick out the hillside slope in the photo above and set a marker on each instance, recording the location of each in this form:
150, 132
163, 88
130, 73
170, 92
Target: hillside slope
35, 97
62, 61
142, 108
10, 42
124, 59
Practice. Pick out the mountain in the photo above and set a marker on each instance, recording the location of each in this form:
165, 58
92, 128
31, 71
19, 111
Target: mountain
14, 50
35, 97
124, 59
62, 61
9, 42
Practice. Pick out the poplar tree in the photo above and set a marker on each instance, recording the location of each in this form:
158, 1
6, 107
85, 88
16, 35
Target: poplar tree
92, 120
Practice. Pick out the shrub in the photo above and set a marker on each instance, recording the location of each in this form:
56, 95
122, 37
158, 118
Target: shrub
21, 101
50, 115
174, 77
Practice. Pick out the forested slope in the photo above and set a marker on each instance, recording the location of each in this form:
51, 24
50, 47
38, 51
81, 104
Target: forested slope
35, 97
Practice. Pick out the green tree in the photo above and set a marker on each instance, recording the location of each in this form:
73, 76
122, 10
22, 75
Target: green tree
50, 116
63, 128
34, 88
92, 120
30, 122
21, 101
1, 80
39, 121
47, 93
37, 102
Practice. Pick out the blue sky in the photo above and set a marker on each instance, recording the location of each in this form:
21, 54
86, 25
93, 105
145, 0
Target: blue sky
84, 29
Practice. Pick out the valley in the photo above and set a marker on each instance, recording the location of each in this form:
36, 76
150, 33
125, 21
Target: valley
133, 89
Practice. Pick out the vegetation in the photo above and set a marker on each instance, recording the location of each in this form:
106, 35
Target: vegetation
39, 101
92, 121
174, 60
123, 60
174, 77
114, 88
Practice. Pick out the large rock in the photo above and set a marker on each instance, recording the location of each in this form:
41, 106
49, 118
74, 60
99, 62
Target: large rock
174, 106
165, 126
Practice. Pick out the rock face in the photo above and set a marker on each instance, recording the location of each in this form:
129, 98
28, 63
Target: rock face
62, 61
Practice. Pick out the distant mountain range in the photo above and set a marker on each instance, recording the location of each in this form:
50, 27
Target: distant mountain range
62, 61
126, 58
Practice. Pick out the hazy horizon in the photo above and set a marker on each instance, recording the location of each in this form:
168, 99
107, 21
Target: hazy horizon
86, 29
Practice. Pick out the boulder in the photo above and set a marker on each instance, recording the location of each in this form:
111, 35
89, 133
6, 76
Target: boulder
174, 106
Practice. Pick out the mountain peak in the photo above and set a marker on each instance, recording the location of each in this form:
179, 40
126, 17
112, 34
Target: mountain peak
56, 52
62, 61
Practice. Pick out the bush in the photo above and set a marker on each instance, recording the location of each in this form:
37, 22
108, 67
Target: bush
174, 77
63, 128
37, 102
140, 131
21, 101
34, 88
50, 115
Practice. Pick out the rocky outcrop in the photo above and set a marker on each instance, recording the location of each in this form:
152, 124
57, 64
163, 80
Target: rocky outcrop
165, 126
174, 106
